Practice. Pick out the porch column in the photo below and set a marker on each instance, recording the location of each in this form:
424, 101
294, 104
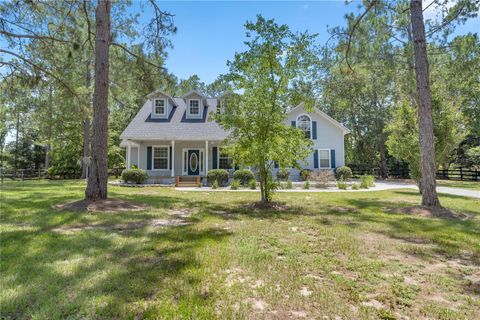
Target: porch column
173, 158
128, 155
206, 157
138, 156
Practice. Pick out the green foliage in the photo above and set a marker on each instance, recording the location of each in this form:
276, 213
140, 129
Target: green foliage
305, 174
218, 175
252, 184
343, 172
306, 185
235, 184
215, 184
116, 157
134, 175
403, 141
473, 157
367, 181
341, 184
355, 186
243, 176
289, 184
283, 174
265, 73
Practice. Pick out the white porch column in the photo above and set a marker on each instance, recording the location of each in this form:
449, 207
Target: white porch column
206, 157
138, 156
128, 155
173, 158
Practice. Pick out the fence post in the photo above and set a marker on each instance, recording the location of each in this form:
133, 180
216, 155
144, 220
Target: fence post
23, 174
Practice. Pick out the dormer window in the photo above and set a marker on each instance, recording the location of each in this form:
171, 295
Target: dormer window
194, 107
160, 107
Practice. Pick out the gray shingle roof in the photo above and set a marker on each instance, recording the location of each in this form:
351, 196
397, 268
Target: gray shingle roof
175, 129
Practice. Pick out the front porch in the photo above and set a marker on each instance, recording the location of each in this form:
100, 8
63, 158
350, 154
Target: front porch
167, 160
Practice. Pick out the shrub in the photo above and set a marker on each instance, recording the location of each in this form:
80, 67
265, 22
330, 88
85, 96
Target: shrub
235, 184
341, 184
289, 184
322, 178
218, 175
134, 175
283, 174
252, 184
306, 185
366, 181
343, 172
355, 186
305, 174
215, 184
243, 176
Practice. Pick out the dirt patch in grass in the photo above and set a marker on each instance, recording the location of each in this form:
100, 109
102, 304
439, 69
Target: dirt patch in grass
431, 212
277, 206
104, 205
123, 226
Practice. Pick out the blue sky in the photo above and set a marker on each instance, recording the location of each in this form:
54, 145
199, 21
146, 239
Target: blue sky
209, 33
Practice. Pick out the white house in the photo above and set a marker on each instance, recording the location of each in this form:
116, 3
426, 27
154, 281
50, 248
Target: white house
175, 137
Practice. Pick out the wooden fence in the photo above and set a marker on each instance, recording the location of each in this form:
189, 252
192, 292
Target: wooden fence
30, 174
460, 174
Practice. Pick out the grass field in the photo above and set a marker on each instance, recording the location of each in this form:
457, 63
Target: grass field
322, 256
472, 185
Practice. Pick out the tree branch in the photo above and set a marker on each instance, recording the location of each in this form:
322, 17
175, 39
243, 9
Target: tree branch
36, 66
137, 56
354, 27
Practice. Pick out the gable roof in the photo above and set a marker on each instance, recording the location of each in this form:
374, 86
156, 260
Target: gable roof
178, 128
344, 129
157, 92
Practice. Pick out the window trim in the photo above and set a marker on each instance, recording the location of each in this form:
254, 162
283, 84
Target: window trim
297, 122
329, 158
194, 115
153, 157
164, 114
218, 159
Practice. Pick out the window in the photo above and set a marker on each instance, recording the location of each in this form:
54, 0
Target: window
221, 107
324, 158
160, 158
160, 107
224, 161
194, 107
304, 123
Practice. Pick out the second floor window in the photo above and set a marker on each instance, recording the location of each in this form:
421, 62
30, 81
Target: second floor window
304, 123
160, 107
194, 107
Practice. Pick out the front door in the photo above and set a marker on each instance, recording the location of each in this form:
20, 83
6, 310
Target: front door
193, 162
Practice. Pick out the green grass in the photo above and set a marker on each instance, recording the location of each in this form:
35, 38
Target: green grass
327, 254
472, 185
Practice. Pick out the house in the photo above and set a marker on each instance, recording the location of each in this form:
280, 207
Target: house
174, 137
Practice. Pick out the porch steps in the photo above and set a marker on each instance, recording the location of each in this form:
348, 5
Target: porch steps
187, 181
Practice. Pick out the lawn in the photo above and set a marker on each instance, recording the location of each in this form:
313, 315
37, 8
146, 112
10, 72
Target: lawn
343, 256
472, 185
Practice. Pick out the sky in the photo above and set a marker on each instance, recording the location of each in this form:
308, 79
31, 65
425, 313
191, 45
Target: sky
209, 33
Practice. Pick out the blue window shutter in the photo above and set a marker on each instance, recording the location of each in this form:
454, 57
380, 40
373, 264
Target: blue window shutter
170, 159
332, 158
315, 159
149, 158
294, 123
275, 164
314, 130
215, 157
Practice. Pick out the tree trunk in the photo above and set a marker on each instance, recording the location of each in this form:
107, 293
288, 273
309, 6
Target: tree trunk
425, 121
15, 159
48, 146
86, 125
98, 177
